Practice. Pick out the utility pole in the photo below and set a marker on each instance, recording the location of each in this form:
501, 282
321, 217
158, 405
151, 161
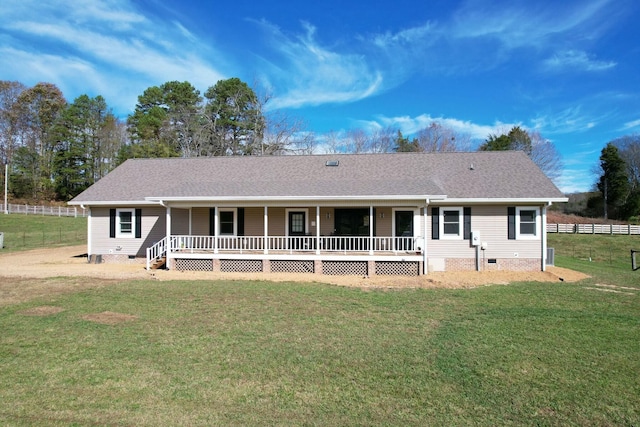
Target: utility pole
6, 188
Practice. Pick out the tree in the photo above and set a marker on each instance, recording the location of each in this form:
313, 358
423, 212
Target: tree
404, 145
541, 151
544, 154
37, 110
438, 138
382, 140
629, 150
87, 140
166, 122
9, 128
614, 182
516, 139
234, 118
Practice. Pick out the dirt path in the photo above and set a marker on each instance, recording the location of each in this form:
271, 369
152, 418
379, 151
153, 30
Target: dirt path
72, 262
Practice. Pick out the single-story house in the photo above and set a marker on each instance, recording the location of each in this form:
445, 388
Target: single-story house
366, 214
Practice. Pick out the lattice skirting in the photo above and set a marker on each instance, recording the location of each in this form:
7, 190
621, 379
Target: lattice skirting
343, 268
193, 264
397, 268
240, 266
292, 266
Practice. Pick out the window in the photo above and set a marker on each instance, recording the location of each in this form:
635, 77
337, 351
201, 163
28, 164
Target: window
527, 222
227, 223
451, 224
125, 222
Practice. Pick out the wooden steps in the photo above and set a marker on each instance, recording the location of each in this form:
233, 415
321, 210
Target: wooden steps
160, 262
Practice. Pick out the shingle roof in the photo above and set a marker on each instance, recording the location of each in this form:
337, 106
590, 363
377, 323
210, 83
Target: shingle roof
476, 175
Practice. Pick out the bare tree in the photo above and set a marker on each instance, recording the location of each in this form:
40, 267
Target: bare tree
332, 143
439, 138
356, 141
629, 146
544, 154
383, 140
9, 132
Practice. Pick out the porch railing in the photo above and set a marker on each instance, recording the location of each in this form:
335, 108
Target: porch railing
292, 244
155, 252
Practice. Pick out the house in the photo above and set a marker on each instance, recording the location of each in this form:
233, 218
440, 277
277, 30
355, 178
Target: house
366, 214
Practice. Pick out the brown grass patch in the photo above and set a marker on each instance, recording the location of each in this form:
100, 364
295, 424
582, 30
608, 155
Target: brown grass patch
43, 310
109, 318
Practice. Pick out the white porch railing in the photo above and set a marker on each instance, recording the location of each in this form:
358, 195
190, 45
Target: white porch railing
156, 252
292, 244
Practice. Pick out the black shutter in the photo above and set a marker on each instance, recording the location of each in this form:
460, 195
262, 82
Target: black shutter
240, 221
511, 227
138, 223
466, 228
212, 221
435, 223
112, 223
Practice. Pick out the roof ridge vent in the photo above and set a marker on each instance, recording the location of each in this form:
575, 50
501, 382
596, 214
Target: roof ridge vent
332, 163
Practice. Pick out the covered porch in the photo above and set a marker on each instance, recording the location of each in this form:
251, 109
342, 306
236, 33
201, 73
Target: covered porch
379, 238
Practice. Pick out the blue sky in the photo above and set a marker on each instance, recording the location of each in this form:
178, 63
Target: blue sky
567, 69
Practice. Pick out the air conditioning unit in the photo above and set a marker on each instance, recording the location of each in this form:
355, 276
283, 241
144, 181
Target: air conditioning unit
550, 256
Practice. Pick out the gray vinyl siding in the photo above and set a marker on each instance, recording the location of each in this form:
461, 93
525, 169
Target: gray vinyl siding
200, 221
491, 222
276, 222
153, 230
179, 221
254, 221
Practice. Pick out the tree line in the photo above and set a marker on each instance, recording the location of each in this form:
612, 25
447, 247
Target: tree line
56, 149
618, 186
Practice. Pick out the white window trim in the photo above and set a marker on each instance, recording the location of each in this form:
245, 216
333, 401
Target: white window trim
520, 236
306, 219
460, 234
119, 233
235, 221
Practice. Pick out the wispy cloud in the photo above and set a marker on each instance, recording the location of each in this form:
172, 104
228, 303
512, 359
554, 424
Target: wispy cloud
410, 125
312, 73
634, 124
113, 40
575, 60
570, 120
516, 23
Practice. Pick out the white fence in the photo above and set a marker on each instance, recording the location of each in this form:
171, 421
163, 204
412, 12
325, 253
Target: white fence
42, 210
594, 228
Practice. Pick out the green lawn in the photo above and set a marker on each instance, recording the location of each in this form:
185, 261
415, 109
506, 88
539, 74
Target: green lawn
22, 232
260, 353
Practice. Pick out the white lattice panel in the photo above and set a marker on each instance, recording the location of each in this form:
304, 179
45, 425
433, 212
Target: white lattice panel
344, 268
292, 266
194, 264
240, 266
397, 268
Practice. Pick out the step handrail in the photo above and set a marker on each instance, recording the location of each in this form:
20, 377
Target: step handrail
157, 251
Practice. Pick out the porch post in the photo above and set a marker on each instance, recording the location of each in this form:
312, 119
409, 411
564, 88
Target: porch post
216, 229
190, 221
543, 233
317, 230
168, 233
265, 245
425, 268
370, 229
